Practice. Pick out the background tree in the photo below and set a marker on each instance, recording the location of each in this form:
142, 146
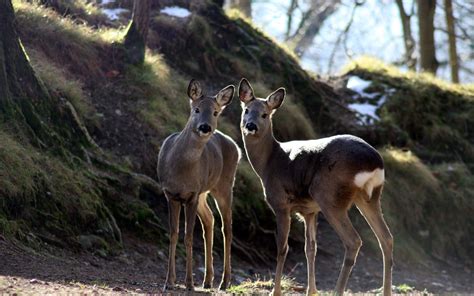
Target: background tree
453, 54
408, 39
311, 22
135, 40
426, 13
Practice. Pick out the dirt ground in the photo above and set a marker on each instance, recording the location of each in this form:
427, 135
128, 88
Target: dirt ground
141, 269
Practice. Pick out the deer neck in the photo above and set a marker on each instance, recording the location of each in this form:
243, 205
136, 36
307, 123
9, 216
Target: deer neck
189, 146
259, 150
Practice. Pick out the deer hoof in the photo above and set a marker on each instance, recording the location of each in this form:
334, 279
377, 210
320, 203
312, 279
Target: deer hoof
275, 293
224, 285
206, 285
168, 287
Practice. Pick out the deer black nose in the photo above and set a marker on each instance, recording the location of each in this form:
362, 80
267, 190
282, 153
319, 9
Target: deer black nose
251, 127
205, 128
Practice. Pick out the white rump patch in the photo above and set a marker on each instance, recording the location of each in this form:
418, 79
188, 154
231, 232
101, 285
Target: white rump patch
369, 180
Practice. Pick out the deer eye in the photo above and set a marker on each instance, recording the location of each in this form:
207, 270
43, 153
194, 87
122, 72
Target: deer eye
246, 111
196, 110
216, 113
264, 115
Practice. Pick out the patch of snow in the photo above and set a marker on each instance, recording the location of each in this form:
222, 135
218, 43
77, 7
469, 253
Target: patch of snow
365, 109
359, 85
114, 13
176, 11
370, 101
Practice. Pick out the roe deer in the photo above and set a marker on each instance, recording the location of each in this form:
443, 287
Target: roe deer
192, 163
307, 177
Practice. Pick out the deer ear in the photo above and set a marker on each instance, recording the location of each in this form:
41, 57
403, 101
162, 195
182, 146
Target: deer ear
275, 99
245, 91
194, 90
225, 95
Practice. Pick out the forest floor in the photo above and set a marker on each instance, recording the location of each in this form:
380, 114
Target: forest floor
140, 268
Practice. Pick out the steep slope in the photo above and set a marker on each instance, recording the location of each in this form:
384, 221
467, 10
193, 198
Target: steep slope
104, 193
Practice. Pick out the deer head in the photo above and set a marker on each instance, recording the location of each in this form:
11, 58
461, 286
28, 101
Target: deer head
206, 109
257, 112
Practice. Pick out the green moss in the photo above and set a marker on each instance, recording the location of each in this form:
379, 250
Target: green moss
48, 195
164, 92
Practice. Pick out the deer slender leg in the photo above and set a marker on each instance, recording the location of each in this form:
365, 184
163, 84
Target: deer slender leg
174, 209
341, 223
283, 221
224, 203
310, 250
207, 223
372, 212
190, 215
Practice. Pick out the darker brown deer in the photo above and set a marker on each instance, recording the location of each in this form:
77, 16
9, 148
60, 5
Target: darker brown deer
327, 175
192, 163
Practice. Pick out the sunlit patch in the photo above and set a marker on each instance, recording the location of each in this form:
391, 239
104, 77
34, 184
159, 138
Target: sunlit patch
402, 156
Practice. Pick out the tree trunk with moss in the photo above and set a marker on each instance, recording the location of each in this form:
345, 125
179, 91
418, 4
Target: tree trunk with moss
21, 91
135, 40
426, 13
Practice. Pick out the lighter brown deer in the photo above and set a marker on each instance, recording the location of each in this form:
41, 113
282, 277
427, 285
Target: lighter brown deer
192, 163
327, 175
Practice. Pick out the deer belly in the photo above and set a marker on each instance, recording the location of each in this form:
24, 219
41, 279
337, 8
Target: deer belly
303, 204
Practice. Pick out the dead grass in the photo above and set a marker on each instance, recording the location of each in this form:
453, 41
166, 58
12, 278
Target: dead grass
62, 39
61, 82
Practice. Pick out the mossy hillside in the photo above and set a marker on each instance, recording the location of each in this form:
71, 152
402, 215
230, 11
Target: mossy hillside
426, 207
158, 88
437, 116
49, 198
62, 192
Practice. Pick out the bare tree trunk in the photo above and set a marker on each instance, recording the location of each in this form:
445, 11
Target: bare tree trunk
135, 40
453, 55
311, 24
408, 39
245, 6
289, 14
426, 12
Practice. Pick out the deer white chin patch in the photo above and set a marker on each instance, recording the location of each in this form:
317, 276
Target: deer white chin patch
369, 180
247, 132
202, 134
